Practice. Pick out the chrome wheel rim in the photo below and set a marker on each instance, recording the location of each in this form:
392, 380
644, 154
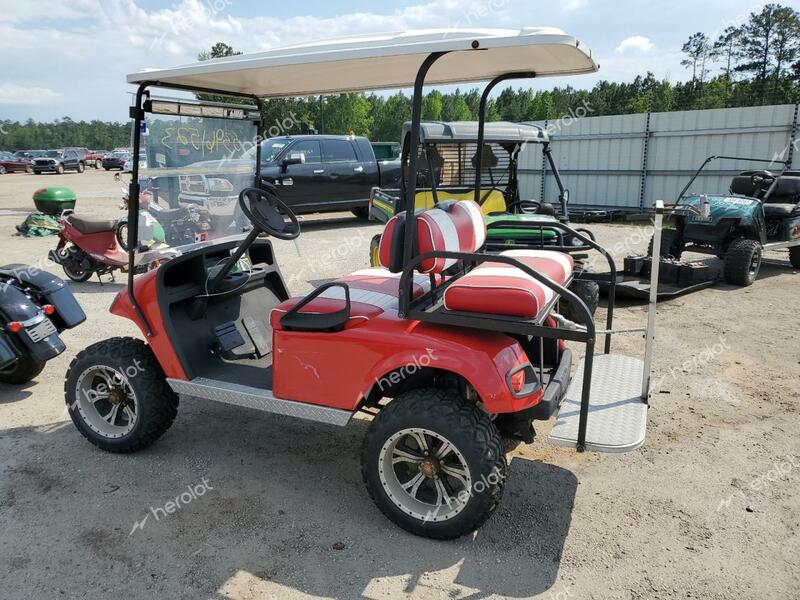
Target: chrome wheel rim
106, 401
424, 474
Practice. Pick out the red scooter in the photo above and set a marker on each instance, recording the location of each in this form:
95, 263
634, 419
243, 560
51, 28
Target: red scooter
89, 246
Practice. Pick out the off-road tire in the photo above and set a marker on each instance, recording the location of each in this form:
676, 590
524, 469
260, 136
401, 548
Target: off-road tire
374, 251
157, 404
22, 371
586, 290
468, 428
362, 212
794, 256
739, 259
669, 244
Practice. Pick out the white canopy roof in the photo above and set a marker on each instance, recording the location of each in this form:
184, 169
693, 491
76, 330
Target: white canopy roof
384, 61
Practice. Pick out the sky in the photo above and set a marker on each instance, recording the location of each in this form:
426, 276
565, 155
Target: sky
70, 58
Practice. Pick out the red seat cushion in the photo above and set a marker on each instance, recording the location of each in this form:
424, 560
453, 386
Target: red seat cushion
449, 226
496, 288
372, 291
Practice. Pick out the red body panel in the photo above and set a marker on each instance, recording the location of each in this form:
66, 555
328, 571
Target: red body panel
144, 287
102, 246
338, 369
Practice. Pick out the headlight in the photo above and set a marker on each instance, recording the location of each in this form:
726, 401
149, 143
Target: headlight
217, 184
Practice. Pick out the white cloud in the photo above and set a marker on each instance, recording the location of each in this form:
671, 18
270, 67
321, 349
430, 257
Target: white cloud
11, 93
635, 43
573, 5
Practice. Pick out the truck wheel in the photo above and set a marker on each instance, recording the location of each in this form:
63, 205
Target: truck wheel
434, 464
374, 251
589, 292
670, 246
118, 395
794, 256
362, 212
81, 167
60, 169
742, 262
22, 371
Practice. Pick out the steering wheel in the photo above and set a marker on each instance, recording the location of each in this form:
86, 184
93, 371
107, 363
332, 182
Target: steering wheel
267, 212
525, 206
762, 179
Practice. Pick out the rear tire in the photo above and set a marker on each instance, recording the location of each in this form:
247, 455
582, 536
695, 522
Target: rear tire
794, 256
586, 290
22, 371
742, 262
374, 251
118, 397
362, 212
458, 471
77, 275
670, 246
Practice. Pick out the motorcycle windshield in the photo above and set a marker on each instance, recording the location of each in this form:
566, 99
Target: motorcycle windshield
191, 171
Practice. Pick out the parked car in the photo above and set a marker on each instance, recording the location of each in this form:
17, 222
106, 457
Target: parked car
115, 160
58, 161
316, 173
10, 163
94, 158
23, 154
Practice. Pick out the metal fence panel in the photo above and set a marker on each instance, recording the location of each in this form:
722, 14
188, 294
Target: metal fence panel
628, 161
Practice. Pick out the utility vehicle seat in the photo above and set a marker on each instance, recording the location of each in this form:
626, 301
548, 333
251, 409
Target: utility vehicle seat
88, 226
781, 210
498, 288
372, 291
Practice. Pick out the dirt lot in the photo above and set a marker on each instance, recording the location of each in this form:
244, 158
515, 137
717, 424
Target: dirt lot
708, 508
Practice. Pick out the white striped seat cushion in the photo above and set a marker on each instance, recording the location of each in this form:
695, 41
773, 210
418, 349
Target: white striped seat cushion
450, 226
496, 288
372, 291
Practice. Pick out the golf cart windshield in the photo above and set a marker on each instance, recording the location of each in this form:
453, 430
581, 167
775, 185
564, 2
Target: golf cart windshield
192, 166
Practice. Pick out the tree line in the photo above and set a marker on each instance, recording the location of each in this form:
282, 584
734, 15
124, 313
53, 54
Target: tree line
751, 63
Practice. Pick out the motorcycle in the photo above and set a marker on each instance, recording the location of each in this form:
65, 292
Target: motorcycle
35, 307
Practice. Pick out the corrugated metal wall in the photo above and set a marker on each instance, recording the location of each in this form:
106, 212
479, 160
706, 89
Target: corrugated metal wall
628, 161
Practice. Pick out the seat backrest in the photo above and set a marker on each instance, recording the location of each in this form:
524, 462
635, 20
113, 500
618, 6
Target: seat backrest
449, 226
492, 199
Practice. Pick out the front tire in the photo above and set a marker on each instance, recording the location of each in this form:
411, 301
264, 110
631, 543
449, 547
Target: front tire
434, 463
362, 212
794, 256
118, 397
22, 371
670, 244
60, 169
742, 262
81, 167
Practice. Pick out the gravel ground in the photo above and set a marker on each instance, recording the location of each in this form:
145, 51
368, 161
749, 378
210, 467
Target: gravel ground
707, 508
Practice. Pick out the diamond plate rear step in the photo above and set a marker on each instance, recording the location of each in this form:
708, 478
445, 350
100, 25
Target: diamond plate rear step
617, 415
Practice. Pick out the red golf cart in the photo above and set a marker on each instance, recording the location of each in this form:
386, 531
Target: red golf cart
453, 352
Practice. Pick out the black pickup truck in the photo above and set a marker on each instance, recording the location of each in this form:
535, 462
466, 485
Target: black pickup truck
316, 173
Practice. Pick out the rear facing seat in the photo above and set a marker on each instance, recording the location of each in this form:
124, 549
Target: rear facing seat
491, 288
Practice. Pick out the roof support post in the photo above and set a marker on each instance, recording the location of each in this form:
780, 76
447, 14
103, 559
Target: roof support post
411, 173
482, 122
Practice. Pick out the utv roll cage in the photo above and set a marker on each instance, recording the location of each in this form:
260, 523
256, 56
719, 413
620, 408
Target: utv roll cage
787, 165
473, 52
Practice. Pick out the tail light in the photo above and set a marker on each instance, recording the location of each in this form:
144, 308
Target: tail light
14, 326
522, 381
49, 309
517, 381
